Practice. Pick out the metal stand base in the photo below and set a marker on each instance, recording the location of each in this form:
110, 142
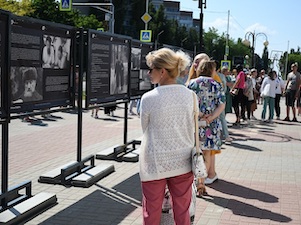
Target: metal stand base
77, 173
28, 208
127, 152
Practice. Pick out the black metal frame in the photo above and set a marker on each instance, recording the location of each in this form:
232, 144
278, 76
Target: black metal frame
5, 199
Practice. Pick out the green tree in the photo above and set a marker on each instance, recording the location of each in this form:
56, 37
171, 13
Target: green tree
158, 24
293, 56
19, 8
87, 21
265, 59
49, 10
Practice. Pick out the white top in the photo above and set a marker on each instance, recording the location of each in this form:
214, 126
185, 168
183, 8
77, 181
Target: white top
167, 122
271, 84
280, 85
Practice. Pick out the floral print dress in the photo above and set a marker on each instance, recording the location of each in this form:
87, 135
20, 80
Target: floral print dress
210, 94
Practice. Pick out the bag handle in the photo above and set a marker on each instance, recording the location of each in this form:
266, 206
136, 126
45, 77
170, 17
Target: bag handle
196, 124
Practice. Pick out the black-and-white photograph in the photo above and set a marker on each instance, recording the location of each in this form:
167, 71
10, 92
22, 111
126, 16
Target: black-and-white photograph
145, 82
119, 69
26, 84
56, 52
135, 58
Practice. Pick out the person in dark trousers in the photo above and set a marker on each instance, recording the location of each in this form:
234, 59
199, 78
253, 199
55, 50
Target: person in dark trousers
240, 99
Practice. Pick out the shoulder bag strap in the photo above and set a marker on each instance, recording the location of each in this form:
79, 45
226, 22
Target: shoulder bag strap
196, 124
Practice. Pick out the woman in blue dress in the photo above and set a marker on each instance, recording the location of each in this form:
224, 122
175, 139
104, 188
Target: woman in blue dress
211, 103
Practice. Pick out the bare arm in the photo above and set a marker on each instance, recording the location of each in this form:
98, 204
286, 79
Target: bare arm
236, 83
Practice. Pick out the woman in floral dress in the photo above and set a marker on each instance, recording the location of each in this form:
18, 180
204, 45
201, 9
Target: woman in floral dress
211, 103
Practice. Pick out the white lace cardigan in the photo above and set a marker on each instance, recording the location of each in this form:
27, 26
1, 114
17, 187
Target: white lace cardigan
168, 132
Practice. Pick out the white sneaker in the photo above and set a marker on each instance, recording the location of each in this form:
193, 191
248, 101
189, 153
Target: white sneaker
211, 180
228, 139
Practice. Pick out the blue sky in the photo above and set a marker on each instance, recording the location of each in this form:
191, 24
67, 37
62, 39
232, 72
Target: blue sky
277, 19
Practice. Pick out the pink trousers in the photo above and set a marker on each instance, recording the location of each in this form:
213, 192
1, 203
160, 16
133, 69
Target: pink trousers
153, 194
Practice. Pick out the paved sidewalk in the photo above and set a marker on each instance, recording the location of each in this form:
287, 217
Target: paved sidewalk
259, 173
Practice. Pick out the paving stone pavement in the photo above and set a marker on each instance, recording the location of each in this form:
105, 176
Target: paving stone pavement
259, 173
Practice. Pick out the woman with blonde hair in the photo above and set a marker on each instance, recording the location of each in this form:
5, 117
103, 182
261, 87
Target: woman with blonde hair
168, 137
194, 66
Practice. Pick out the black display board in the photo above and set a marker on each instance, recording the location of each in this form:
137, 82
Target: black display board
139, 79
3, 59
108, 66
41, 59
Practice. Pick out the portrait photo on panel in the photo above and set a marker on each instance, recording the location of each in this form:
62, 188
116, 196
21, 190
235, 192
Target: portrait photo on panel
145, 82
26, 84
119, 69
56, 52
135, 58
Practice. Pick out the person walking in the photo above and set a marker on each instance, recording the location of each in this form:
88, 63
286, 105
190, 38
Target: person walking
165, 157
268, 93
291, 91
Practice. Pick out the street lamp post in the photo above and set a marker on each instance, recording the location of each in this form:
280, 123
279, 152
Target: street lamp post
182, 42
253, 37
157, 39
201, 4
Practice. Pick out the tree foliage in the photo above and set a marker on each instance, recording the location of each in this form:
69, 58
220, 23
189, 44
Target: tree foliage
49, 10
288, 59
19, 8
128, 22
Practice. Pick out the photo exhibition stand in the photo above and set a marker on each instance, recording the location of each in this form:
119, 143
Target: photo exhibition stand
126, 152
17, 203
83, 172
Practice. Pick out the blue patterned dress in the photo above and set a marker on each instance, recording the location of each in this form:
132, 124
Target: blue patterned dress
210, 94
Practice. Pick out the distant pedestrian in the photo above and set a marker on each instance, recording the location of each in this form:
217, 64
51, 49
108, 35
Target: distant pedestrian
249, 93
229, 84
279, 90
268, 93
291, 91
239, 100
94, 112
131, 106
222, 76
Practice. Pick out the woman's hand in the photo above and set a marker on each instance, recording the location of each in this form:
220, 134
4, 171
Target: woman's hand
208, 118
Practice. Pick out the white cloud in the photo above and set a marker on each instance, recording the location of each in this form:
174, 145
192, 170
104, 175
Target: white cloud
260, 28
221, 25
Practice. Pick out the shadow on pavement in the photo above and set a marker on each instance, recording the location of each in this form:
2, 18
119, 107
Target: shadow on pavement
233, 189
245, 147
107, 206
107, 119
278, 137
243, 209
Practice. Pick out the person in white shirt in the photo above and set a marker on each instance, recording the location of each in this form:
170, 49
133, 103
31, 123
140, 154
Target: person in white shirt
268, 93
280, 85
168, 137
